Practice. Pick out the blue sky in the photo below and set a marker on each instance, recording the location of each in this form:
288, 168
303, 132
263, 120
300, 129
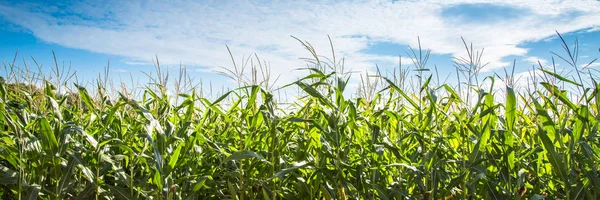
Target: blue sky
87, 34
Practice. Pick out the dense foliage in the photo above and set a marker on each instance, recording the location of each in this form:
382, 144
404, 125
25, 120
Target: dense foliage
427, 142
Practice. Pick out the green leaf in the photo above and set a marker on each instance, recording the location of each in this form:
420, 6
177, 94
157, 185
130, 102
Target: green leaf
175, 157
325, 192
295, 119
406, 97
560, 77
243, 155
86, 193
546, 128
314, 93
87, 173
201, 183
407, 166
283, 172
453, 93
32, 192
561, 95
8, 176
66, 176
426, 83
232, 191
537, 197
85, 97
55, 108
381, 193
581, 121
119, 192
157, 179
89, 138
510, 108
48, 135
221, 98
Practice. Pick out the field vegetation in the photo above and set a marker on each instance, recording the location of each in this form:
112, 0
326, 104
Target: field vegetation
404, 135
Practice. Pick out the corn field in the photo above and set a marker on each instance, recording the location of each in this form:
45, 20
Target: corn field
394, 140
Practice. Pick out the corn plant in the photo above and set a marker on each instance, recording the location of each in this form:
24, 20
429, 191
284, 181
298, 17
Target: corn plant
391, 142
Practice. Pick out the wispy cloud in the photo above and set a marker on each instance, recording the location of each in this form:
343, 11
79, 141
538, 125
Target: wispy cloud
138, 62
534, 61
591, 65
196, 33
120, 70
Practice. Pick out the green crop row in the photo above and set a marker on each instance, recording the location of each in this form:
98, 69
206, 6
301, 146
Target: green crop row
427, 142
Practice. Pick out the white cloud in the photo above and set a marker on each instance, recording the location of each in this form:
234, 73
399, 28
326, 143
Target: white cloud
534, 61
588, 65
195, 33
120, 70
137, 62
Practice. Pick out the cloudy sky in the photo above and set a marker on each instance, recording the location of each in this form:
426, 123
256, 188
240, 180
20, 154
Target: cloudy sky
86, 34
